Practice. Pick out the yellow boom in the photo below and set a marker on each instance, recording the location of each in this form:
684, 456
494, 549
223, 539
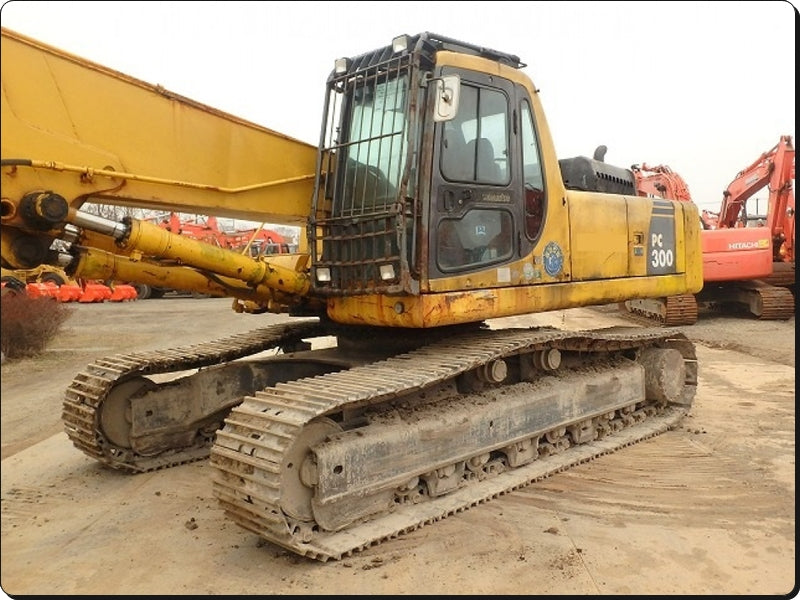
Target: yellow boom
144, 152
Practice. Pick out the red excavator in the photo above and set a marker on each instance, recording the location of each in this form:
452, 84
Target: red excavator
206, 230
774, 169
747, 263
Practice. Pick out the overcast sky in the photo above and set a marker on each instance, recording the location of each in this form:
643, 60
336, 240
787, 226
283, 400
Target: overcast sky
704, 87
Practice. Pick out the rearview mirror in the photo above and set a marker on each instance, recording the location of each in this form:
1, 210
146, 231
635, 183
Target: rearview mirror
447, 91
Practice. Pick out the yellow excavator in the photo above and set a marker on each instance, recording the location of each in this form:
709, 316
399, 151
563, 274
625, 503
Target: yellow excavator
433, 202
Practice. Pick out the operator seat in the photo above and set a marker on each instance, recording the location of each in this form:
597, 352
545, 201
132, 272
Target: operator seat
457, 162
488, 170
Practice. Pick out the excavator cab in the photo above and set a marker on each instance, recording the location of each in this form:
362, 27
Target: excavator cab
416, 183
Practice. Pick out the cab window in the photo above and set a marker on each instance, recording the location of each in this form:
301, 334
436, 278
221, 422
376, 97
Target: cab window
475, 143
532, 173
481, 236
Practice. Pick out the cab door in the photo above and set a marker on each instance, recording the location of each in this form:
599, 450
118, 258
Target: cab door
475, 209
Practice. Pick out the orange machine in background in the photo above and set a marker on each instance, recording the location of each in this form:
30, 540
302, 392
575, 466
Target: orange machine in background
774, 170
207, 229
748, 262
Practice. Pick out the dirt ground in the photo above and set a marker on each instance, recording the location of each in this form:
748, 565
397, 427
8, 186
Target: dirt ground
707, 508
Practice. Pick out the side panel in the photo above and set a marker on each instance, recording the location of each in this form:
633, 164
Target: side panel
621, 236
736, 254
599, 236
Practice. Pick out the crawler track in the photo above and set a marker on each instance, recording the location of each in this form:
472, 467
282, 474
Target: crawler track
758, 298
90, 389
770, 302
782, 275
329, 465
671, 311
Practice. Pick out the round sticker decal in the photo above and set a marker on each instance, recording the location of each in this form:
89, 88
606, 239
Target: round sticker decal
553, 259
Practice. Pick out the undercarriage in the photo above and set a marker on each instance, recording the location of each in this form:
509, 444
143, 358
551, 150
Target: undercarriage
756, 298
329, 451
